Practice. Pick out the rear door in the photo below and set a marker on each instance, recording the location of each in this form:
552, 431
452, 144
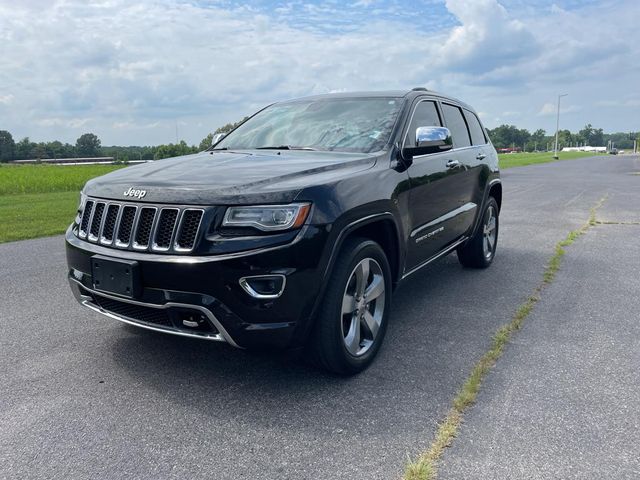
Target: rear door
483, 152
435, 188
468, 168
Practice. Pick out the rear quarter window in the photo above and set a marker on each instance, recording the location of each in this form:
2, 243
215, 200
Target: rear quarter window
456, 125
478, 136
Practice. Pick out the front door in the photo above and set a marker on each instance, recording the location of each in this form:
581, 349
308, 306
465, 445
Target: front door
441, 186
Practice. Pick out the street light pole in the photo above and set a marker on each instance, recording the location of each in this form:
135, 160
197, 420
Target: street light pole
555, 150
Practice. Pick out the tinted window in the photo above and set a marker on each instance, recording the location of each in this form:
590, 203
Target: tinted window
424, 115
476, 130
456, 124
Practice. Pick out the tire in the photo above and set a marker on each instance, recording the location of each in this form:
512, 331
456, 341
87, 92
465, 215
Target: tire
348, 331
480, 250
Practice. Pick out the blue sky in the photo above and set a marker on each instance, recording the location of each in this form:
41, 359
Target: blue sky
132, 72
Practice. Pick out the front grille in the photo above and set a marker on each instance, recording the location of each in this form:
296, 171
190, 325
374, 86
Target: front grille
143, 228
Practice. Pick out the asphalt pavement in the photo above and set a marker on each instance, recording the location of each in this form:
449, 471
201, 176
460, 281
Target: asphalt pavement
83, 396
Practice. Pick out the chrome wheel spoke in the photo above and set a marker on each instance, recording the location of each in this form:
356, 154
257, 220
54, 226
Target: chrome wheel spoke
371, 323
492, 224
375, 288
348, 304
490, 242
352, 340
362, 277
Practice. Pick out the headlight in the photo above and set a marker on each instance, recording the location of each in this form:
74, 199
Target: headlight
267, 217
83, 198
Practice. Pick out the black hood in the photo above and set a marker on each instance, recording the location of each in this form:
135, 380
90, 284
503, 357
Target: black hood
229, 177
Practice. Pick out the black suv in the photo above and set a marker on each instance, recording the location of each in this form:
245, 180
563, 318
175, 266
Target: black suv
293, 230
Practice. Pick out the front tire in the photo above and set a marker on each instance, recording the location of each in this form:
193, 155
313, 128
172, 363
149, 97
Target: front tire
480, 250
352, 322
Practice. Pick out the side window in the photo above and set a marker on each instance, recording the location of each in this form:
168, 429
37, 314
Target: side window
424, 115
477, 132
456, 125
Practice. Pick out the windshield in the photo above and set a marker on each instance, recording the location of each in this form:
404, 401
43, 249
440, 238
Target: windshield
338, 124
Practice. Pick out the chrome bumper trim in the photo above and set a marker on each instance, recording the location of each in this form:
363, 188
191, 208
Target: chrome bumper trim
85, 300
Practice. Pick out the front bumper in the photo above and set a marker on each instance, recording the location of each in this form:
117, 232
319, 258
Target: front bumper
206, 290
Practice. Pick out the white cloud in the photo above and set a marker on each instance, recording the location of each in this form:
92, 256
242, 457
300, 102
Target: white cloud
131, 71
552, 109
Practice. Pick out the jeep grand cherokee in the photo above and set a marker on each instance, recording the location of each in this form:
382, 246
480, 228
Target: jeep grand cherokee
294, 229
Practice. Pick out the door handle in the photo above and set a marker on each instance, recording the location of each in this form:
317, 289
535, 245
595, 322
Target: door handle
453, 163
480, 156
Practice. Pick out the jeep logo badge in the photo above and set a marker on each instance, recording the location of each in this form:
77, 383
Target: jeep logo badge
139, 194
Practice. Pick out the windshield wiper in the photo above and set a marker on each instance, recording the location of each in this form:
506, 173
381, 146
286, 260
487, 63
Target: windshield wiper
285, 147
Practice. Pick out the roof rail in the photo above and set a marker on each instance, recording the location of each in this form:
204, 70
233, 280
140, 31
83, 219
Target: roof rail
419, 89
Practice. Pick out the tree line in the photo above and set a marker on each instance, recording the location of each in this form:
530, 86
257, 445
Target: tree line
510, 136
89, 145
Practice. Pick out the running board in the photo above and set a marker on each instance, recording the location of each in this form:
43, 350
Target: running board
444, 252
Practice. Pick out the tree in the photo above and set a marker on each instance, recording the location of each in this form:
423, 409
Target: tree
206, 142
174, 150
88, 145
506, 136
7, 147
24, 148
229, 126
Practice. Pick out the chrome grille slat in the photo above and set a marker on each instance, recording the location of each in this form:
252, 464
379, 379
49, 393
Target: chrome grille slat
96, 221
86, 217
144, 228
165, 229
110, 223
188, 229
125, 227
141, 227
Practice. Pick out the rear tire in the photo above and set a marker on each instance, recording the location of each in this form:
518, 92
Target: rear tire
352, 322
480, 250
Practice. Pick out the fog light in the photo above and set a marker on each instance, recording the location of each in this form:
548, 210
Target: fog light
264, 286
77, 274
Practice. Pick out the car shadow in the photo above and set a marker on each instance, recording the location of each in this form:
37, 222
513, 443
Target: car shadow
441, 322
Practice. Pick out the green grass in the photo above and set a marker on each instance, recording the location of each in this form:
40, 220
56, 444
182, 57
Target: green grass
17, 179
425, 466
510, 160
36, 214
41, 200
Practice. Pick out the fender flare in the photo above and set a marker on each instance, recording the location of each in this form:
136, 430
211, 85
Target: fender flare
485, 198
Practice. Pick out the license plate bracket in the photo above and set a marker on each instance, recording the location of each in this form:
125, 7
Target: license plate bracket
112, 275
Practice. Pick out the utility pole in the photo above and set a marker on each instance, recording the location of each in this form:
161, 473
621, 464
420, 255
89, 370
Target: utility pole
555, 151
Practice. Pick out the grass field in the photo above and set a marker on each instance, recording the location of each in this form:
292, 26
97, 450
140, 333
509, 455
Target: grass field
41, 200
510, 160
16, 179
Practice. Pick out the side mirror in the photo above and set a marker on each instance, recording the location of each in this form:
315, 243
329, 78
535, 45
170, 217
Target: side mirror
429, 140
217, 137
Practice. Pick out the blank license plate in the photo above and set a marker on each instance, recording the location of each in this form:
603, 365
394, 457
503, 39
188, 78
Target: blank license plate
110, 275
